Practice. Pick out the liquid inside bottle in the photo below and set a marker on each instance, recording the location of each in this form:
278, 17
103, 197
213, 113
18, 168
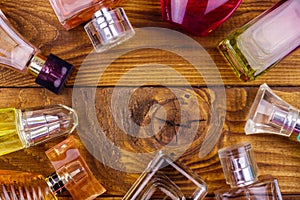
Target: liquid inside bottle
23, 186
199, 17
9, 137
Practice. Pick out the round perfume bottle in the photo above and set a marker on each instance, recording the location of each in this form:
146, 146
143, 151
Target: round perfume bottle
198, 17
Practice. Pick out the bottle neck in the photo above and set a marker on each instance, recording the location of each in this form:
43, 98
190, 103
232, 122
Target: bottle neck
36, 64
56, 183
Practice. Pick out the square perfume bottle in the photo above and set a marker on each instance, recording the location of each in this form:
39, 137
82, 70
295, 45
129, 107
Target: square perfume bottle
165, 179
264, 41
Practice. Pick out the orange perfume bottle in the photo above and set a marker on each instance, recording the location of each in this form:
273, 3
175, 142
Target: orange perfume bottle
108, 27
73, 171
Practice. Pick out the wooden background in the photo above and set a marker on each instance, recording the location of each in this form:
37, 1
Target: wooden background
36, 21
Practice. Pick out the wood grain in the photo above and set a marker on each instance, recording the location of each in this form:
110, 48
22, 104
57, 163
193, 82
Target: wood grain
154, 105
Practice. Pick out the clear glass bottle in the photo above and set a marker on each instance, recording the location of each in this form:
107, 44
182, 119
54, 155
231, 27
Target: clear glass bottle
24, 128
20, 55
72, 170
270, 114
241, 173
108, 27
199, 17
164, 179
72, 174
264, 41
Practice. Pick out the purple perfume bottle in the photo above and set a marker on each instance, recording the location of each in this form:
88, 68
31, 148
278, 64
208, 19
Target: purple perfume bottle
20, 55
198, 17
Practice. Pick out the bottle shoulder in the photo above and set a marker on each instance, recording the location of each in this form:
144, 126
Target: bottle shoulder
266, 188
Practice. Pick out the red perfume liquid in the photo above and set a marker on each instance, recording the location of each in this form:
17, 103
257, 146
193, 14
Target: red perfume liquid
198, 17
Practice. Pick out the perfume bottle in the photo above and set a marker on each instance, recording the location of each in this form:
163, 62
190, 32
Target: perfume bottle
73, 171
108, 27
198, 17
72, 174
164, 179
241, 173
24, 128
264, 41
20, 55
270, 114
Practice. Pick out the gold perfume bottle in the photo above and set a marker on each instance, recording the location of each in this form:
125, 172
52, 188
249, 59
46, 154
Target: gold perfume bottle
24, 128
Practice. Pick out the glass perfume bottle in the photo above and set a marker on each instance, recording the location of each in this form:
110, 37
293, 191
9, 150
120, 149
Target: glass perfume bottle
241, 173
264, 41
270, 114
21, 129
72, 174
73, 171
198, 17
164, 179
108, 27
20, 55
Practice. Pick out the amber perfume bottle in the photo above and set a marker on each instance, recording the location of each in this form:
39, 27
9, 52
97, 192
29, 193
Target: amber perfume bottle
164, 179
264, 41
108, 27
241, 173
271, 114
199, 17
20, 55
73, 171
21, 129
72, 174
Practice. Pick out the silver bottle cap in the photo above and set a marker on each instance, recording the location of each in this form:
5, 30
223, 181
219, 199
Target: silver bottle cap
239, 165
109, 28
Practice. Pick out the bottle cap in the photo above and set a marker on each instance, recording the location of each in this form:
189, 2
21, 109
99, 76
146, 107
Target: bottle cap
55, 183
51, 72
73, 170
41, 124
109, 28
239, 165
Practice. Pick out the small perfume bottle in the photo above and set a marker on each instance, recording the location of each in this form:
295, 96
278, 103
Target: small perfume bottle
72, 174
198, 17
164, 179
20, 55
24, 128
108, 27
264, 41
72, 171
241, 173
270, 114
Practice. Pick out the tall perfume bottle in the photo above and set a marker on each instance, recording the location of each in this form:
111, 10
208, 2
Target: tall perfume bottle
270, 114
198, 17
24, 128
164, 179
108, 27
72, 174
20, 55
72, 170
241, 173
264, 41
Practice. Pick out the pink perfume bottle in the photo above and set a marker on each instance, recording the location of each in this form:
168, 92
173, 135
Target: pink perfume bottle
20, 55
198, 17
72, 171
108, 27
241, 173
272, 115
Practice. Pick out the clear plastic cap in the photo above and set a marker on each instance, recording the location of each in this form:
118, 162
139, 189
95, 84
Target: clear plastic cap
109, 28
239, 165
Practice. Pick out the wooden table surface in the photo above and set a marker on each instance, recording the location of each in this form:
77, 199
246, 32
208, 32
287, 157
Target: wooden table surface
36, 21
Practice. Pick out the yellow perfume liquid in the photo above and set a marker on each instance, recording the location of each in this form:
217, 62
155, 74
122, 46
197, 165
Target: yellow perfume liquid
9, 137
16, 185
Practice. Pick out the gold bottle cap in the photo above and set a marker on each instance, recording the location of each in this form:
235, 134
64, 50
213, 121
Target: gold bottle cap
36, 64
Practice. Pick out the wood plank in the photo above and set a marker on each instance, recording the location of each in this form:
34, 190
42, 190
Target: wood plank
43, 30
275, 155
